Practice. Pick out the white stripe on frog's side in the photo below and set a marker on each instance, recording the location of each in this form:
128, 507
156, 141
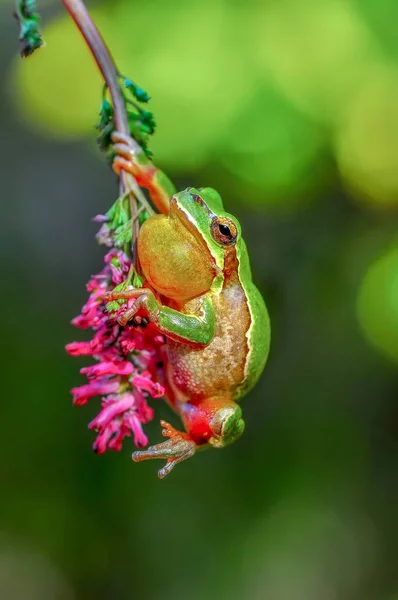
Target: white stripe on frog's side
258, 347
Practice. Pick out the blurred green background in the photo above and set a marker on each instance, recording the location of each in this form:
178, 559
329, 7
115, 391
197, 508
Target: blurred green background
290, 109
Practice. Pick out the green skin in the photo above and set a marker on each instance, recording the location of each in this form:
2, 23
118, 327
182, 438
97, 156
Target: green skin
191, 320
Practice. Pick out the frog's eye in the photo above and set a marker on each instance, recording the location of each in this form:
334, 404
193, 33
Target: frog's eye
224, 231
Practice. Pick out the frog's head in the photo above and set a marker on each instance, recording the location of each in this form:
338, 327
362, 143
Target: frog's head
227, 425
186, 253
216, 421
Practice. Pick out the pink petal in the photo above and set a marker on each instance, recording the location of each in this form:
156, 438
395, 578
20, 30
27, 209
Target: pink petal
143, 382
83, 393
111, 411
140, 439
79, 349
108, 368
127, 344
102, 440
117, 441
145, 412
104, 237
98, 281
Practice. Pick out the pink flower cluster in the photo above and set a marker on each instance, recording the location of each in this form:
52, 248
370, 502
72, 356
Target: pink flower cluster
127, 362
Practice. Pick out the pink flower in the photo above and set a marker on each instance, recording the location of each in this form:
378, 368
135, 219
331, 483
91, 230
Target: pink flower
119, 265
95, 388
108, 368
118, 419
140, 439
124, 385
113, 407
127, 344
144, 383
101, 219
97, 281
104, 236
78, 348
90, 311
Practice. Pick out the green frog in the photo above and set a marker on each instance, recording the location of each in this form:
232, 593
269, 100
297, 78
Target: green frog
198, 292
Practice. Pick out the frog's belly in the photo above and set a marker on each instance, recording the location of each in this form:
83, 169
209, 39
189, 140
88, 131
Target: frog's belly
218, 368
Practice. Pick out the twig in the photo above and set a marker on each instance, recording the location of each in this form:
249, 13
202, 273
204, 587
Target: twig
103, 58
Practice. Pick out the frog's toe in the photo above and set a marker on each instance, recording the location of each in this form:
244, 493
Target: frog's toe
123, 151
118, 137
176, 449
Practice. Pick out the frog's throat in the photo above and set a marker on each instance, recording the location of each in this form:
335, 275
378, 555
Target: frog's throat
203, 228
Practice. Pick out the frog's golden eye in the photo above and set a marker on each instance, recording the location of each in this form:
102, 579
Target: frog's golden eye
224, 231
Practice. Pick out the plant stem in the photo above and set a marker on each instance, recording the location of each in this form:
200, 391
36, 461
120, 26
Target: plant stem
103, 58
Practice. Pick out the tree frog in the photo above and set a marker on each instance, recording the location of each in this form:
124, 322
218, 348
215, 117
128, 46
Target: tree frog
198, 292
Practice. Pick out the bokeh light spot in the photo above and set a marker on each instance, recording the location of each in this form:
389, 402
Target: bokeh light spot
317, 52
377, 304
367, 141
273, 146
197, 76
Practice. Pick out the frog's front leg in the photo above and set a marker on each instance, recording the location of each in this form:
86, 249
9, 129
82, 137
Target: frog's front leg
144, 301
197, 329
147, 175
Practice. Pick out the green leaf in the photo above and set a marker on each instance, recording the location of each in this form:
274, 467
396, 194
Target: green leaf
29, 33
137, 92
124, 235
143, 216
137, 280
148, 121
113, 306
105, 126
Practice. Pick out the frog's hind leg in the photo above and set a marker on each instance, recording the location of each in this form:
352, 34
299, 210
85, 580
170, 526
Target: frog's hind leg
214, 421
177, 448
147, 175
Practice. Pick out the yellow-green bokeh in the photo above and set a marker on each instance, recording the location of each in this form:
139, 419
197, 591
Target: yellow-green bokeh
378, 304
273, 91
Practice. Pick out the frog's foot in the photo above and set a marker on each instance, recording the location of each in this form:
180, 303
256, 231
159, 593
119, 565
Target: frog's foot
126, 159
177, 448
145, 302
124, 143
144, 171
